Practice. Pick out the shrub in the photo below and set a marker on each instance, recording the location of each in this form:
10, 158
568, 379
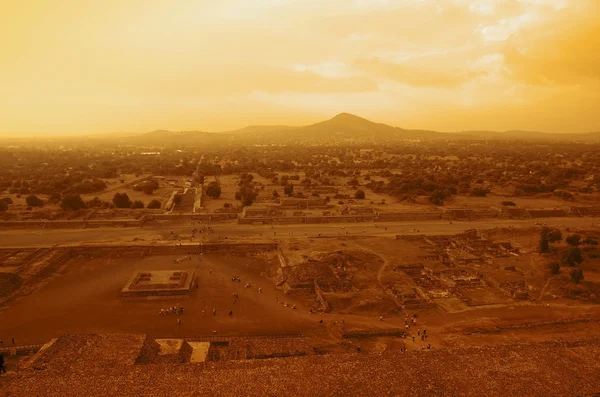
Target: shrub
213, 190
34, 201
72, 202
154, 205
360, 195
137, 204
576, 275
121, 200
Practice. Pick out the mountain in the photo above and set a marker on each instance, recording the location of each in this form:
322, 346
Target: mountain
343, 128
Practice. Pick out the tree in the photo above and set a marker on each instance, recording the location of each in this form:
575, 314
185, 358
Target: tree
479, 192
121, 200
360, 195
573, 240
213, 190
3, 206
34, 201
275, 194
437, 197
576, 275
154, 205
572, 256
288, 189
554, 267
547, 236
137, 204
72, 202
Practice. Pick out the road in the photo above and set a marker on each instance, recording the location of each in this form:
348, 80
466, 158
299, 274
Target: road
161, 231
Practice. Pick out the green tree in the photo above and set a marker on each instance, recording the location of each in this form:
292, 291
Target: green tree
154, 205
573, 240
572, 256
576, 275
34, 201
359, 194
121, 200
213, 190
72, 202
137, 204
288, 189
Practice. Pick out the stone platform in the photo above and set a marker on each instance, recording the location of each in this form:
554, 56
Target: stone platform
159, 284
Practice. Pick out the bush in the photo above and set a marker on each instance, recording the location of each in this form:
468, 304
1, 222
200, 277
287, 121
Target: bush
72, 202
213, 190
34, 201
137, 204
554, 268
275, 194
576, 275
572, 256
288, 189
154, 205
360, 195
590, 241
3, 206
479, 192
573, 240
509, 203
121, 200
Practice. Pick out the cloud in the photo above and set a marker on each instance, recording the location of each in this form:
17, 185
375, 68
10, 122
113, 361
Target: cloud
416, 75
568, 55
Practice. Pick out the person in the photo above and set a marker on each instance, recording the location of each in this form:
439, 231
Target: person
230, 313
429, 346
178, 321
413, 339
418, 332
2, 368
181, 310
321, 321
214, 312
13, 341
202, 313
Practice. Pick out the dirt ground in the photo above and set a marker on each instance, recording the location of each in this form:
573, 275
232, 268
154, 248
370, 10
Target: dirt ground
85, 299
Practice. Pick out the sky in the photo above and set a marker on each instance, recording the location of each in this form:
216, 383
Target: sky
87, 66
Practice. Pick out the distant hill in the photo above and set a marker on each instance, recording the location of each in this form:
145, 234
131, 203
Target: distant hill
344, 127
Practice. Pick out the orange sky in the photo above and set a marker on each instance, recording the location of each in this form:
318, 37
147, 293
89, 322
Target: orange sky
85, 66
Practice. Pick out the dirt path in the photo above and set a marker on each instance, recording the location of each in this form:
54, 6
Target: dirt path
380, 273
545, 285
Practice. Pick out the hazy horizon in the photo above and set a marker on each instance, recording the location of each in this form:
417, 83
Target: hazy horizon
133, 133
137, 66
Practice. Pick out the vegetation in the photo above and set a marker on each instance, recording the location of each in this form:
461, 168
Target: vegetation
572, 256
547, 236
121, 200
359, 195
576, 275
213, 190
137, 204
34, 201
72, 202
154, 204
554, 267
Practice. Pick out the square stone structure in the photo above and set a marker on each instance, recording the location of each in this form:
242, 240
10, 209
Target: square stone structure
159, 284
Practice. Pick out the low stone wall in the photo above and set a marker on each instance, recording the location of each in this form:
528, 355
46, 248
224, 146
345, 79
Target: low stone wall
372, 333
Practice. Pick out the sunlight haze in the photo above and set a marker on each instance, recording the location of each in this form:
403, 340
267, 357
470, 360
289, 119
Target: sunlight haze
81, 66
